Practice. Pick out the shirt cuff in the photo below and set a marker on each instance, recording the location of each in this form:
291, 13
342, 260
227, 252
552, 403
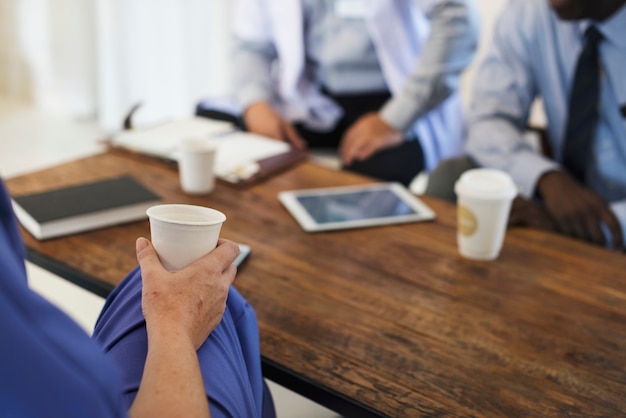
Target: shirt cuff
527, 169
399, 112
252, 94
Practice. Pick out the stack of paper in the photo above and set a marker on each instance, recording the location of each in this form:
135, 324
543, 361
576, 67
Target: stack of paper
162, 140
237, 154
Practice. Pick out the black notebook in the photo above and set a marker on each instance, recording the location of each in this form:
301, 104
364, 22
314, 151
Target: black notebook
84, 207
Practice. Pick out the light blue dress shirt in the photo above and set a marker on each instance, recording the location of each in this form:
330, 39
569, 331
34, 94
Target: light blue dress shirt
534, 54
341, 69
340, 55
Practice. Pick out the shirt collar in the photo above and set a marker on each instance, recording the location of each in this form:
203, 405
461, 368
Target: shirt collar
613, 29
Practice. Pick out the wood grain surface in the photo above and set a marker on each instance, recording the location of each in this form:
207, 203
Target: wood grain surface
392, 317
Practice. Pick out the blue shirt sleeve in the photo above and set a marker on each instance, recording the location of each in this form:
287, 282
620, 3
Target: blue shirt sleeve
449, 49
504, 91
49, 367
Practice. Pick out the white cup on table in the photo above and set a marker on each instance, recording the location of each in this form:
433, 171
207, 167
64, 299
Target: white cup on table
196, 165
181, 234
484, 199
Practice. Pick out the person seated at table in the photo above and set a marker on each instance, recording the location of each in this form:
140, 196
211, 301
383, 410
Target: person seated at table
374, 79
571, 54
196, 353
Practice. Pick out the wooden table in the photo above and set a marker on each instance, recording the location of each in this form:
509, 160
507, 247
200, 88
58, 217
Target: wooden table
391, 321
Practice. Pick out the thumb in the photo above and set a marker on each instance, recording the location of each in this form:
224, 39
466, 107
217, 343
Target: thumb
145, 252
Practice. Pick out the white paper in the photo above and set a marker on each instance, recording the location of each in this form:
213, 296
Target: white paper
163, 140
237, 151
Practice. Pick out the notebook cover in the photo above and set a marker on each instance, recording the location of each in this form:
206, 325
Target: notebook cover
85, 198
274, 165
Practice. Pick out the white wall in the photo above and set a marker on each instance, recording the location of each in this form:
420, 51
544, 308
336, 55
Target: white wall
86, 57
166, 54
13, 71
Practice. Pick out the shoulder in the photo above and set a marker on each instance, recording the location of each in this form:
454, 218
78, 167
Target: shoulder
525, 22
529, 15
45, 352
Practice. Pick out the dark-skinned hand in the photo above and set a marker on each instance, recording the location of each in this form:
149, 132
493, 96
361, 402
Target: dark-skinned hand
525, 212
577, 211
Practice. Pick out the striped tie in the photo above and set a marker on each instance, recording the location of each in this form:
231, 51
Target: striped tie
583, 107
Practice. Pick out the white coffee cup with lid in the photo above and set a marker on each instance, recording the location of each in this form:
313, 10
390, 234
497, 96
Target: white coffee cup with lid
484, 199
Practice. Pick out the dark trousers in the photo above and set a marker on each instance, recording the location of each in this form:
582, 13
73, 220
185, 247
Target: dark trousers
400, 163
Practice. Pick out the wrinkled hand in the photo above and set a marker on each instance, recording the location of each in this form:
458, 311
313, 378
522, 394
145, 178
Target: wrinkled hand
527, 213
188, 303
261, 119
576, 210
365, 137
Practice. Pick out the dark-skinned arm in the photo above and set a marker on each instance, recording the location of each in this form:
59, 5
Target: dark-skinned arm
577, 211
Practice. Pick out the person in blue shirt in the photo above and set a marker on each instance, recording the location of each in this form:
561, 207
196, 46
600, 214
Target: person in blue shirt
534, 54
177, 343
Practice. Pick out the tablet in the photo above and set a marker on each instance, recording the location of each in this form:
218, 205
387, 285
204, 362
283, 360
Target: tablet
244, 252
367, 205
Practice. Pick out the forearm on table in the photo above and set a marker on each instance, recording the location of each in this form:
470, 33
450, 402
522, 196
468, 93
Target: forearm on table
448, 50
496, 142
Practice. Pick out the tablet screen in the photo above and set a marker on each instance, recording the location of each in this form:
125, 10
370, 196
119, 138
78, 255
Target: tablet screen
354, 206
331, 208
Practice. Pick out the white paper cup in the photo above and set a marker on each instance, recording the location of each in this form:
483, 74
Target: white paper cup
484, 199
196, 163
182, 234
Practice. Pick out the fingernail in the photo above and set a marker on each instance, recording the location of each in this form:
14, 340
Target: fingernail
140, 244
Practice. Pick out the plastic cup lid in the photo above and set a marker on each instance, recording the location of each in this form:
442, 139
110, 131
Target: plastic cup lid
486, 183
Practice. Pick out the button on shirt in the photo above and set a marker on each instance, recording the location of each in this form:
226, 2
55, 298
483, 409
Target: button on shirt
534, 54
